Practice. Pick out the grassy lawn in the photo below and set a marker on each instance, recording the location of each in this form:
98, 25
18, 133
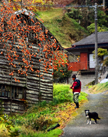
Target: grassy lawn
39, 118
49, 14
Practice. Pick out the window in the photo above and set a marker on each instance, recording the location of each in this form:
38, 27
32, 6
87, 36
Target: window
92, 63
3, 92
12, 92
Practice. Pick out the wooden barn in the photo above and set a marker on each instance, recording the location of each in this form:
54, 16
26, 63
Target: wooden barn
16, 96
83, 50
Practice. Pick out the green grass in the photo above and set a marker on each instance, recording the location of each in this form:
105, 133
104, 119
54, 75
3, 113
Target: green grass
83, 96
61, 93
53, 133
98, 88
49, 14
65, 29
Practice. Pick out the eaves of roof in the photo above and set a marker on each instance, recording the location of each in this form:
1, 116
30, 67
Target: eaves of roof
86, 46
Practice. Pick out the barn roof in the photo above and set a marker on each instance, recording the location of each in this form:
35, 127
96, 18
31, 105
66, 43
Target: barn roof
32, 15
25, 11
102, 38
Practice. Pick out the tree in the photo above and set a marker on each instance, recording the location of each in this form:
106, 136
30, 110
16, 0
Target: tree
61, 74
15, 28
91, 28
101, 52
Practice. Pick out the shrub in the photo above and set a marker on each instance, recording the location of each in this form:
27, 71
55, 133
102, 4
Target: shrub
61, 93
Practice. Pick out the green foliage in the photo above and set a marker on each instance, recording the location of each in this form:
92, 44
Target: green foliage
54, 102
82, 17
91, 28
75, 14
61, 93
87, 19
100, 87
102, 23
53, 133
101, 52
90, 86
14, 132
61, 74
6, 121
102, 18
78, 27
83, 96
66, 29
40, 123
43, 103
105, 62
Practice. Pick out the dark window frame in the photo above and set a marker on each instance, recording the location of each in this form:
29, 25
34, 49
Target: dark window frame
12, 92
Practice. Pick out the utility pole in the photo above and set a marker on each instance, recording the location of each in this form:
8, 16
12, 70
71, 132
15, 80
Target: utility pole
96, 46
103, 4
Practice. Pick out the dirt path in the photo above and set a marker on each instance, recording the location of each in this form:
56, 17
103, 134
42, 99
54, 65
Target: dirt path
78, 127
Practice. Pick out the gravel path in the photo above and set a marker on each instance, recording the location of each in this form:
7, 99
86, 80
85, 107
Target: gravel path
77, 127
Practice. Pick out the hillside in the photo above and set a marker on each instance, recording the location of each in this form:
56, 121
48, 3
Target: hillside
65, 29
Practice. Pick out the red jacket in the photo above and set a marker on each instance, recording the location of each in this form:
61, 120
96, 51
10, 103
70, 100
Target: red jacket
76, 85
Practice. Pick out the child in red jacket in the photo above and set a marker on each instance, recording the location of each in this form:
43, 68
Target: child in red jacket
76, 87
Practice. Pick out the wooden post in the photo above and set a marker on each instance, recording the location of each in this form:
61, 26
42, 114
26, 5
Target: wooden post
39, 79
11, 101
